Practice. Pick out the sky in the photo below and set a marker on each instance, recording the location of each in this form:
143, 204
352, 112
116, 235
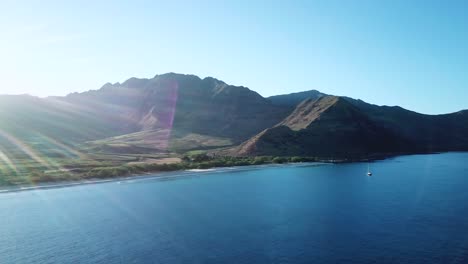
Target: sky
408, 53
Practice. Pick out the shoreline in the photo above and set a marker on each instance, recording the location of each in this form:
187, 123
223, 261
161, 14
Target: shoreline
149, 176
161, 175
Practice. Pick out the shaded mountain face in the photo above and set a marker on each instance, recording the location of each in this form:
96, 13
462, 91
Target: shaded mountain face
327, 127
425, 133
171, 106
187, 103
26, 115
37, 129
184, 112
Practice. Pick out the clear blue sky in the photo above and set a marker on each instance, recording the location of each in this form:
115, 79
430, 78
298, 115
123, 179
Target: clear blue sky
408, 53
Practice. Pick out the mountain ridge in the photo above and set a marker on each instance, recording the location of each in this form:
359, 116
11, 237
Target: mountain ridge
187, 104
175, 121
329, 126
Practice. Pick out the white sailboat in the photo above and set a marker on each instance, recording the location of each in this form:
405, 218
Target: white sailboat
369, 173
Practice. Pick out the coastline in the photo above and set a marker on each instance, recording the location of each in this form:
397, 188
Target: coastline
161, 175
148, 176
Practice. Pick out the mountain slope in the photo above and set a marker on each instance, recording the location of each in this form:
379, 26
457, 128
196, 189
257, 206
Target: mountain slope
426, 133
187, 103
327, 127
32, 127
157, 141
186, 112
105, 132
184, 107
308, 111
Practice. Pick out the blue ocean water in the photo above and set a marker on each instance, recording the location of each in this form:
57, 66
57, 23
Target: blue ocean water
414, 209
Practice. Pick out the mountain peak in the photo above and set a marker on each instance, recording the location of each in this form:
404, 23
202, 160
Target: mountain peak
107, 85
177, 76
293, 99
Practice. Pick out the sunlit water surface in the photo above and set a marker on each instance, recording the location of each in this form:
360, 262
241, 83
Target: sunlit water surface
414, 209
